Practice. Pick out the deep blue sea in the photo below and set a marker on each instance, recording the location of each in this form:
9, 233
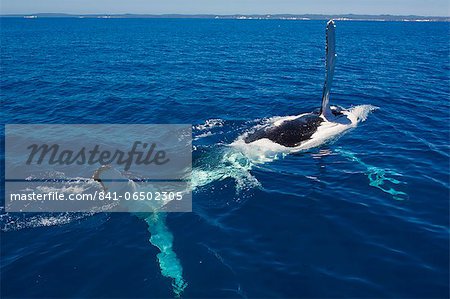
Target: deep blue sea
365, 216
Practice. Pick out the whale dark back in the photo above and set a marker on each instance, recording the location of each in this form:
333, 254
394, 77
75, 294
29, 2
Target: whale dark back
290, 133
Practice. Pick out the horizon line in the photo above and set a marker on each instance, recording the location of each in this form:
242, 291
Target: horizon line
267, 15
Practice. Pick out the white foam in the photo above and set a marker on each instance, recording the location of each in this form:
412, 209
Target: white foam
233, 164
12, 222
209, 124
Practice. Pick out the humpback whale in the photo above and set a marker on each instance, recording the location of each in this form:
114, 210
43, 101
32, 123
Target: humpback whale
300, 131
278, 134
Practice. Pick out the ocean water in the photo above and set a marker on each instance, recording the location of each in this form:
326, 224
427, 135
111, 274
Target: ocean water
364, 216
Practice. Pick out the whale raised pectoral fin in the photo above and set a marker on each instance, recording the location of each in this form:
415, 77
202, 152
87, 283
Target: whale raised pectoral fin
325, 110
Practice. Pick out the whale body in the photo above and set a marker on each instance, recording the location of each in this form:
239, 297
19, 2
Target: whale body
299, 132
292, 131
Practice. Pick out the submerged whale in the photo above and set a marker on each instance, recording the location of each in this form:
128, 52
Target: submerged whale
309, 130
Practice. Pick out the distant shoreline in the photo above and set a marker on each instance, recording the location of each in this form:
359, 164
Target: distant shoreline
343, 17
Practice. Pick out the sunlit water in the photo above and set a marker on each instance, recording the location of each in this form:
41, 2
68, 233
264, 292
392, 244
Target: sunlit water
365, 215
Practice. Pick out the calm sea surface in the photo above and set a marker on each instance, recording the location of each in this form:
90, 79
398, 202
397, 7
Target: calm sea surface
366, 216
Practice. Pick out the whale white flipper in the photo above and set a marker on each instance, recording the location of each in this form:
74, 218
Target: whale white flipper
307, 130
325, 110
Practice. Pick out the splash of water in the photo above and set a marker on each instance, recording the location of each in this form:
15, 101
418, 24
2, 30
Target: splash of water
230, 163
378, 178
13, 222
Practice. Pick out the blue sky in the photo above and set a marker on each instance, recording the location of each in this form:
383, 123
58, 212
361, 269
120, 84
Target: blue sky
398, 7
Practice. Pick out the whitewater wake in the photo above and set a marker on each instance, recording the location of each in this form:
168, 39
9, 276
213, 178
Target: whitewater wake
233, 161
